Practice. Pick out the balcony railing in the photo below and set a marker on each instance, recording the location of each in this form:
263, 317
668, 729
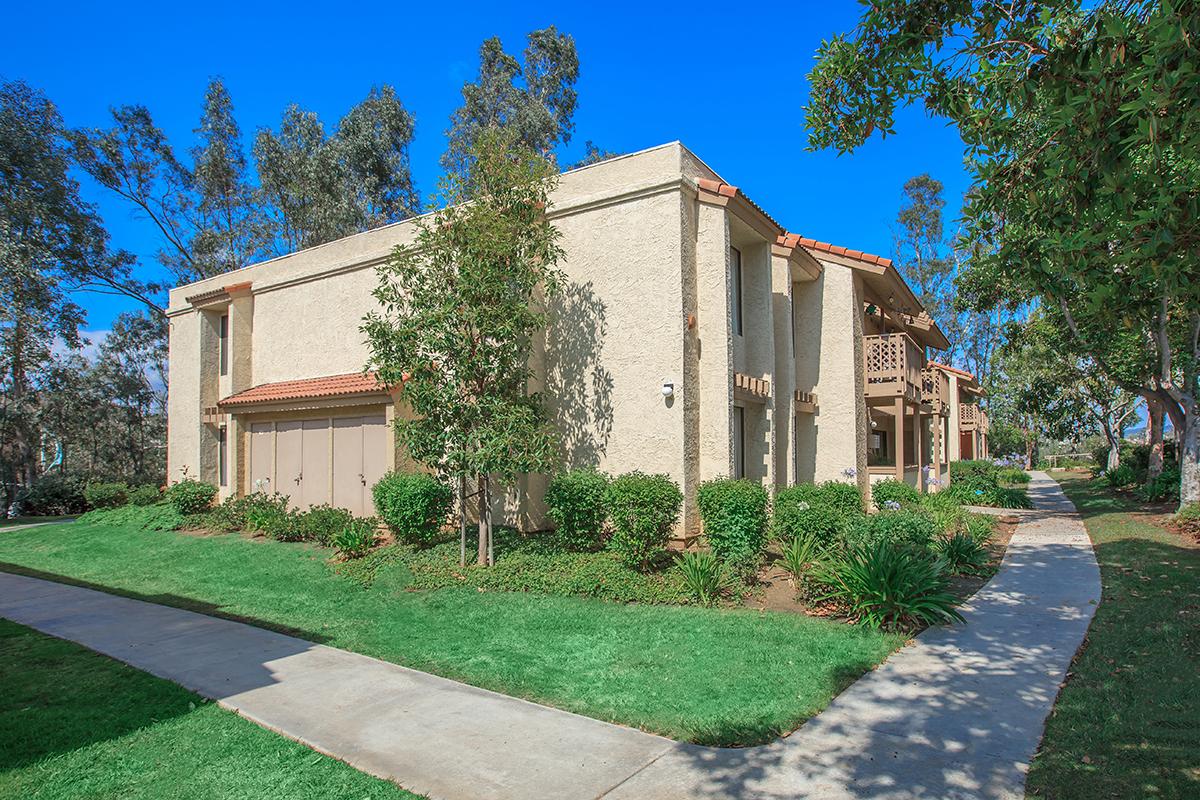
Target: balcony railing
969, 417
892, 366
935, 389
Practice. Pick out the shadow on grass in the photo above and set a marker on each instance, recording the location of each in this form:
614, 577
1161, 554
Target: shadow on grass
172, 600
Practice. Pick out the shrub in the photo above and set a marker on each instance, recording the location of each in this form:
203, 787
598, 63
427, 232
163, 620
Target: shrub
322, 523
701, 575
145, 495
734, 513
978, 474
945, 510
355, 539
1013, 475
106, 495
261, 511
894, 491
576, 504
1188, 518
980, 527
1120, 476
53, 494
823, 512
191, 496
413, 505
281, 524
158, 517
643, 509
962, 552
888, 588
1163, 487
905, 529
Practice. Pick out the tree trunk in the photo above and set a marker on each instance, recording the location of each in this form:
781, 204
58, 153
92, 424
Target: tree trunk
1114, 453
1189, 456
462, 520
1154, 423
485, 523
1029, 447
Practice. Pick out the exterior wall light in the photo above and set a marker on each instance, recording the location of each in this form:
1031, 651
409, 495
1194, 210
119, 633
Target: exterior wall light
668, 388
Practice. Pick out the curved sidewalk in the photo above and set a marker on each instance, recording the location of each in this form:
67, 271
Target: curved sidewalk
956, 714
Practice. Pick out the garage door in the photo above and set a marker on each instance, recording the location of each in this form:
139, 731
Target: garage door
319, 461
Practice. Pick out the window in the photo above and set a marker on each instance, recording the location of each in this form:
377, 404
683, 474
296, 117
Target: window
223, 455
735, 267
223, 337
739, 442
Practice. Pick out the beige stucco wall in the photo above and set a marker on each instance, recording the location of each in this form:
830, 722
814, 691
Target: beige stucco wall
829, 323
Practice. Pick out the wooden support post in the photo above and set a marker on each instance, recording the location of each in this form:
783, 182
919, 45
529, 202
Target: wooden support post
937, 448
919, 445
900, 439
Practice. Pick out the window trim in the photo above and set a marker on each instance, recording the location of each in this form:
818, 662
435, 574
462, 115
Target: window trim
735, 268
223, 343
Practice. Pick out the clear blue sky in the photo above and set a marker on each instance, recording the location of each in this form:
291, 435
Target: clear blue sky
727, 80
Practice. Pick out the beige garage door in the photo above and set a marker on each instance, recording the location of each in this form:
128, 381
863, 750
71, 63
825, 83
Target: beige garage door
317, 461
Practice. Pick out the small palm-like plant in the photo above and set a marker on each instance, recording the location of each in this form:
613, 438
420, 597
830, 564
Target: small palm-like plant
800, 555
888, 588
962, 552
701, 574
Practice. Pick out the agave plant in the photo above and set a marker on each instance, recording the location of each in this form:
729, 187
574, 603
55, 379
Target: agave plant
889, 588
701, 574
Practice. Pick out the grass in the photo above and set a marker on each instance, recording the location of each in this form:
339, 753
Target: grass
74, 724
1127, 722
712, 676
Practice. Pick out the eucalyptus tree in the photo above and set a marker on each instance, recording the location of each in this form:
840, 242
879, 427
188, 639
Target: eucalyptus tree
460, 308
1081, 126
534, 100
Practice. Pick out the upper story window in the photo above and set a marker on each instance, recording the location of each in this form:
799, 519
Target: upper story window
223, 338
735, 266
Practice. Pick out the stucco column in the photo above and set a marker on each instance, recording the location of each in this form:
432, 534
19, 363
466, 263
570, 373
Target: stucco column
936, 423
954, 445
784, 387
919, 444
715, 342
900, 439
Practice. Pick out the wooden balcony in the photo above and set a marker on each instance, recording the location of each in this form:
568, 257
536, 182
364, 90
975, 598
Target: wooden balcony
935, 390
970, 417
892, 367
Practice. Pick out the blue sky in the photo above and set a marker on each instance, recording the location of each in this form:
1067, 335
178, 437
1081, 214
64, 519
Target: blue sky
727, 80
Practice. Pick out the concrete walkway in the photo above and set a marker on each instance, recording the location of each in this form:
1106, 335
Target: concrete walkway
957, 714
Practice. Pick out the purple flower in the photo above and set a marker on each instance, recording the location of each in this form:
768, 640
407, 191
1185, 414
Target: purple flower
850, 472
891, 505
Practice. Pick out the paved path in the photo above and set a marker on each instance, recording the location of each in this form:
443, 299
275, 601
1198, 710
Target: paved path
957, 714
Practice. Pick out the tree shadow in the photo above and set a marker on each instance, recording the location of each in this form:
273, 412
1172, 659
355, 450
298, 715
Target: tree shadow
576, 376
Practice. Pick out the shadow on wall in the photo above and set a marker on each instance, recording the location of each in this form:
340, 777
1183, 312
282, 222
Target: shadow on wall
578, 385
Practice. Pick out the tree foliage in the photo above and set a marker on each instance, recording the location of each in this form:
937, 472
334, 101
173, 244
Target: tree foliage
534, 100
1081, 131
460, 308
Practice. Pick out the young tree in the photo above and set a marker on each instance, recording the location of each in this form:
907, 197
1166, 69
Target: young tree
1082, 130
534, 101
460, 309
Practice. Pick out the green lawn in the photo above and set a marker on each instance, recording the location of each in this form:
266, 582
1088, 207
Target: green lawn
75, 724
705, 675
9, 523
1127, 723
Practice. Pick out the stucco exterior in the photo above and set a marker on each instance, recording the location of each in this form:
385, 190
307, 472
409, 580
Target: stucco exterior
652, 240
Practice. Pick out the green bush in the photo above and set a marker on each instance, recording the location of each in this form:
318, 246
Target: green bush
261, 511
145, 495
701, 575
643, 509
106, 495
895, 492
945, 510
1188, 518
575, 501
977, 474
980, 527
281, 524
191, 496
888, 588
1161, 488
823, 512
354, 540
322, 523
962, 552
413, 505
906, 529
53, 494
735, 518
159, 517
1121, 476
1013, 475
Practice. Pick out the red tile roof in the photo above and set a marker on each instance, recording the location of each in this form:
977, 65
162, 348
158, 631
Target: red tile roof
310, 388
949, 368
826, 247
